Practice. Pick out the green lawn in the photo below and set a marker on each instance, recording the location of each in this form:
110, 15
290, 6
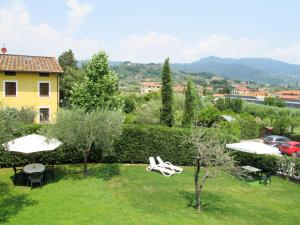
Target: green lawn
128, 194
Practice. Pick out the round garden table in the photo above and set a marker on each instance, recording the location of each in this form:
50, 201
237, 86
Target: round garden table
34, 168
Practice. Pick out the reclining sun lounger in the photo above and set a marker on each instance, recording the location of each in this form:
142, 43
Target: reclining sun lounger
168, 165
154, 167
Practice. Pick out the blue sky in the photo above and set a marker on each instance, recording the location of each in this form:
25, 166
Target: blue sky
149, 31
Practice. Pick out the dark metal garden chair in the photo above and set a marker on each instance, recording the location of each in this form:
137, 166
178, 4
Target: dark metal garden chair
50, 170
35, 178
266, 179
18, 172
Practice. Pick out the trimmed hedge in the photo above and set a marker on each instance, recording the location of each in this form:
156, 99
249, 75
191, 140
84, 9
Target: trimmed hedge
264, 162
138, 142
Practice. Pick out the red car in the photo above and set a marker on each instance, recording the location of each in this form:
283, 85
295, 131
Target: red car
290, 148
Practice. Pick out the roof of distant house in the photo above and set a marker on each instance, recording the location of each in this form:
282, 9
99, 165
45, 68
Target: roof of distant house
26, 63
179, 88
288, 92
151, 84
218, 95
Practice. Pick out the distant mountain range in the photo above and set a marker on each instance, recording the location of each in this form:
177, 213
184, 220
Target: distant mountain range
255, 69
261, 70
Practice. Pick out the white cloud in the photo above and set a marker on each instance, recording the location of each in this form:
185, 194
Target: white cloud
155, 47
76, 13
291, 53
22, 37
150, 47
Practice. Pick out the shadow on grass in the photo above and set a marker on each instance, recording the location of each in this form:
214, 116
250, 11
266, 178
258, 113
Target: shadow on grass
75, 172
12, 203
210, 202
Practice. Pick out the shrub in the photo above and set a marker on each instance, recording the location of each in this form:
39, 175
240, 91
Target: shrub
264, 162
248, 126
207, 116
148, 113
129, 104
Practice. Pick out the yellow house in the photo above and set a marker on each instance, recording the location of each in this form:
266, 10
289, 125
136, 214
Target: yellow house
31, 82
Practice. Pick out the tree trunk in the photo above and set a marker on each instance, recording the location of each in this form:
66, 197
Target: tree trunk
85, 155
197, 186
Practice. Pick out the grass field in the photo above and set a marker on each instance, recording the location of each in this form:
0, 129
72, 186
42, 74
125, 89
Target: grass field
127, 194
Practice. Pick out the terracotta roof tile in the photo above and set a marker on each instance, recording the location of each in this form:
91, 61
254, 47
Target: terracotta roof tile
24, 63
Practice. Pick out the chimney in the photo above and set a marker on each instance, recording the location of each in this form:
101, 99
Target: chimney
3, 49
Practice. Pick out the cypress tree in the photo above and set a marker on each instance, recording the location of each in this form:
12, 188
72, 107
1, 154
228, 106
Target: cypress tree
190, 105
166, 114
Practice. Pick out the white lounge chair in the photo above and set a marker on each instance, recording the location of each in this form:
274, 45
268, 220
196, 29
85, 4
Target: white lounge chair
153, 166
168, 165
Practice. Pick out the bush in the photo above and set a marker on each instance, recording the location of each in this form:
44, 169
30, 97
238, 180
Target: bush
264, 162
129, 104
148, 113
136, 144
207, 116
248, 126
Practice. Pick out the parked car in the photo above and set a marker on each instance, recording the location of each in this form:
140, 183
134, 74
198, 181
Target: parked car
275, 140
290, 148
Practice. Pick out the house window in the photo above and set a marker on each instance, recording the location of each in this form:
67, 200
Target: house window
44, 115
10, 88
44, 89
44, 74
10, 73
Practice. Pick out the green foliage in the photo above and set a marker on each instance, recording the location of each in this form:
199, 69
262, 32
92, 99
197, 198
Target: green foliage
12, 120
152, 96
129, 104
207, 116
232, 104
265, 162
80, 130
139, 142
67, 59
248, 126
281, 124
232, 128
68, 79
274, 101
99, 90
190, 105
148, 113
166, 116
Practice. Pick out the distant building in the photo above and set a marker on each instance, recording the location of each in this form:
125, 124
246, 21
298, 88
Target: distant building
288, 94
240, 90
179, 88
148, 87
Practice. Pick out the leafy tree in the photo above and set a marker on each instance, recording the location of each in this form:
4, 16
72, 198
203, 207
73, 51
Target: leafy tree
99, 90
129, 104
148, 112
274, 101
281, 124
166, 116
70, 77
190, 106
83, 130
232, 104
67, 59
207, 116
248, 125
211, 157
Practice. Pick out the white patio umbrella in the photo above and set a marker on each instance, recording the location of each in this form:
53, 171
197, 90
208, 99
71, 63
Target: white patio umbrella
32, 143
254, 147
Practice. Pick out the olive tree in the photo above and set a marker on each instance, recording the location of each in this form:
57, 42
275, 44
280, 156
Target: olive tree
83, 130
211, 157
